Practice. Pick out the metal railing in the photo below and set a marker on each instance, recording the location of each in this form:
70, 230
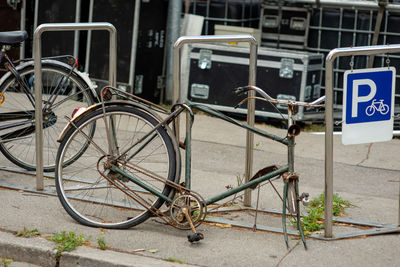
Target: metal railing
362, 50
37, 54
252, 81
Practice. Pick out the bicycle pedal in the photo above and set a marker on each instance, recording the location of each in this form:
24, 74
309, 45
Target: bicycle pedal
262, 172
195, 237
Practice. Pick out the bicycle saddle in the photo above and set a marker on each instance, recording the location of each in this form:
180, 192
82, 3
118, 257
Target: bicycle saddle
13, 37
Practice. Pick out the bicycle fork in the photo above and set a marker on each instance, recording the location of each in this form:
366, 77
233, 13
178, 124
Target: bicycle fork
291, 178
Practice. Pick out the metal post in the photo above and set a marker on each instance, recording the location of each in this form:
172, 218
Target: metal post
22, 27
252, 81
173, 32
328, 146
355, 51
76, 33
251, 107
135, 34
89, 37
37, 55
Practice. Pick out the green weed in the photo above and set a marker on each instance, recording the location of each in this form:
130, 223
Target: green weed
6, 262
339, 204
28, 233
67, 241
313, 220
101, 243
176, 260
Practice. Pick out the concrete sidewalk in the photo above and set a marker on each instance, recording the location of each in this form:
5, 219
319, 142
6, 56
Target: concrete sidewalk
367, 175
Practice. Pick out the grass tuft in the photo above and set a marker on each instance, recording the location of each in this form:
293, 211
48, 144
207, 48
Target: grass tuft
313, 220
28, 233
67, 241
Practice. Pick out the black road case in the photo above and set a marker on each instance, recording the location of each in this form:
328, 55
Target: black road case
284, 27
215, 70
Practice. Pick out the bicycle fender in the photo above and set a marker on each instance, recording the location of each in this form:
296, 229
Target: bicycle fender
97, 106
83, 76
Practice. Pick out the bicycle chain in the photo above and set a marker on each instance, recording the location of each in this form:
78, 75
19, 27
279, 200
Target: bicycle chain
183, 192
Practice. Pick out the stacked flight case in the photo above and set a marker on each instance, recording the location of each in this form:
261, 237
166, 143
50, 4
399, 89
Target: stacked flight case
215, 70
284, 26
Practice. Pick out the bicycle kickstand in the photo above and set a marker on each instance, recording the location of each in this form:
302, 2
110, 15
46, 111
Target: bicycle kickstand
195, 236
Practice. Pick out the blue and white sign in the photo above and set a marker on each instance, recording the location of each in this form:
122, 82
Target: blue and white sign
368, 105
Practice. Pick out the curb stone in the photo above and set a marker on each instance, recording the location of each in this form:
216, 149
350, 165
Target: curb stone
40, 251
86, 256
30, 250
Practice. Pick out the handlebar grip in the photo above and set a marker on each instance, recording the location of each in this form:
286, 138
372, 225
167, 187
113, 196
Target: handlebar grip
318, 101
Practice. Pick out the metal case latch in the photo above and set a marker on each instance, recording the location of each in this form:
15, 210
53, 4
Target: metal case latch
286, 70
271, 21
284, 97
205, 59
199, 91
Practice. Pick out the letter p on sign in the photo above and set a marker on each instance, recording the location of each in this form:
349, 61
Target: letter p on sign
357, 98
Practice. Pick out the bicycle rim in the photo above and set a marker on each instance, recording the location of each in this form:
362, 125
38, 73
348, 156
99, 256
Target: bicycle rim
20, 147
94, 200
291, 199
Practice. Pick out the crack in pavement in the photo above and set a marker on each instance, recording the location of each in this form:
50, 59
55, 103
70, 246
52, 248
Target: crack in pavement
287, 253
367, 156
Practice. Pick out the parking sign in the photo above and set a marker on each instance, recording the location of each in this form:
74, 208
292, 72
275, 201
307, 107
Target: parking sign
368, 102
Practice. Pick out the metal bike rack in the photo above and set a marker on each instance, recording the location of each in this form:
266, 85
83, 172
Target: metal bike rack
362, 50
37, 54
252, 81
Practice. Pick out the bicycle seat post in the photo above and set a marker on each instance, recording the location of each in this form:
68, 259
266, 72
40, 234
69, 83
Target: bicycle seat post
3, 50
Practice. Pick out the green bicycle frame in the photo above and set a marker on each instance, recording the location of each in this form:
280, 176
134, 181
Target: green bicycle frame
288, 141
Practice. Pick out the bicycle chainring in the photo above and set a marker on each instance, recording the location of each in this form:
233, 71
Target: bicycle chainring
194, 204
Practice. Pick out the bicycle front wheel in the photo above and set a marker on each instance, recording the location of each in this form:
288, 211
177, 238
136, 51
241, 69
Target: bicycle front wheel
87, 188
17, 137
370, 110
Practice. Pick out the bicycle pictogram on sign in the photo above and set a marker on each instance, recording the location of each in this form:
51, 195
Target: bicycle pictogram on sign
378, 106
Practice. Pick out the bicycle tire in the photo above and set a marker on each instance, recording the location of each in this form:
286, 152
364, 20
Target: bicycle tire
91, 199
20, 149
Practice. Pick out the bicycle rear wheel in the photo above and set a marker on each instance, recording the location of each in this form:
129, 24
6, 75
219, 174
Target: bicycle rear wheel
86, 187
17, 141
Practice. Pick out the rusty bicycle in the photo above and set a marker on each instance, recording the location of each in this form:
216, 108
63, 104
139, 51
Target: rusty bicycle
131, 165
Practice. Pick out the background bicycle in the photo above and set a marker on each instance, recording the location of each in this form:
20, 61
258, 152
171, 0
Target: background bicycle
64, 89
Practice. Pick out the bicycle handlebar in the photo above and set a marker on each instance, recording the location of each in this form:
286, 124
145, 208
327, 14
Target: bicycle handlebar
315, 104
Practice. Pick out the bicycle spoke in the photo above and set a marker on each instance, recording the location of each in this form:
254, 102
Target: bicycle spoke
153, 166
18, 145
